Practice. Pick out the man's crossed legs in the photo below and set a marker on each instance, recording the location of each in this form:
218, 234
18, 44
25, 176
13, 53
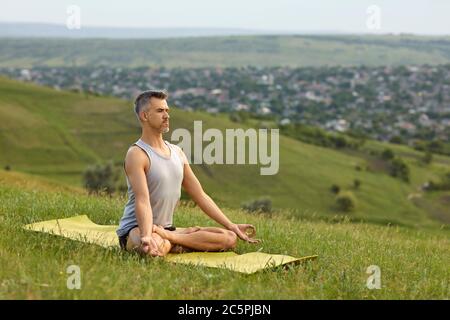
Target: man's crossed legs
186, 239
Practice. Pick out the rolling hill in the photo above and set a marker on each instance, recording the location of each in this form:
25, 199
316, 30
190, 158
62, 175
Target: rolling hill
58, 134
231, 51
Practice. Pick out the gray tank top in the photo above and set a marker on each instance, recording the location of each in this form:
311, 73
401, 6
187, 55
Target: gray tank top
164, 181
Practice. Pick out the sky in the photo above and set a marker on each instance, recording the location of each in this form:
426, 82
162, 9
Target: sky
392, 16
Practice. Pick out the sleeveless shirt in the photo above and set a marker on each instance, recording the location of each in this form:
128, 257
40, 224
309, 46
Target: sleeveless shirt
164, 181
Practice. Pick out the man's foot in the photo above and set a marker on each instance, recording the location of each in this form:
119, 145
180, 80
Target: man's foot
164, 245
163, 233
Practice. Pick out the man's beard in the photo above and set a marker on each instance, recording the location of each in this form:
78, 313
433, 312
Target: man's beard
165, 130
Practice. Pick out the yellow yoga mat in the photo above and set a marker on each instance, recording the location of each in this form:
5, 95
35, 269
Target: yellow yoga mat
81, 228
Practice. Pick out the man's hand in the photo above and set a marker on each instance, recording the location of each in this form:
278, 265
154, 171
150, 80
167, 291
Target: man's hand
245, 231
149, 246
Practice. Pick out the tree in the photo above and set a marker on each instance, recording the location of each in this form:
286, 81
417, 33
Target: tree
260, 205
100, 178
398, 168
427, 157
397, 140
335, 188
387, 154
234, 117
346, 201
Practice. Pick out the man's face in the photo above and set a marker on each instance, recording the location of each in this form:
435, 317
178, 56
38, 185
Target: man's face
157, 115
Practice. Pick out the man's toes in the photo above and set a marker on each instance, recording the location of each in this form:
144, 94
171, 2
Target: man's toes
161, 232
166, 247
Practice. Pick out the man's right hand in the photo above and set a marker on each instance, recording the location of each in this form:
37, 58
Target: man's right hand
149, 246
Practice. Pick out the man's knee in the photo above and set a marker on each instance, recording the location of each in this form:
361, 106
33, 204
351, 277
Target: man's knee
134, 239
231, 240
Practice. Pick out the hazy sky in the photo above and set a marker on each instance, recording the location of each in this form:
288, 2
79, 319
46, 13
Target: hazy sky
409, 16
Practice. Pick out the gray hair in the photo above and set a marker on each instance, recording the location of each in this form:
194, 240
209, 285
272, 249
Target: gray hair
143, 99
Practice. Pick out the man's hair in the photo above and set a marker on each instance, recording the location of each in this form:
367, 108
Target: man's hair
143, 99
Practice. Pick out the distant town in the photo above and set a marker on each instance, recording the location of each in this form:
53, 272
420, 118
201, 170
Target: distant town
396, 104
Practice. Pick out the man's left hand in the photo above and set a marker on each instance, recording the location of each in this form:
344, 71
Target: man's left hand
244, 231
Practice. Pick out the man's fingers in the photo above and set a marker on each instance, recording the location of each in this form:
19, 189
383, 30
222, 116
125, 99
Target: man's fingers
249, 240
242, 235
153, 243
145, 248
250, 230
155, 246
241, 232
252, 240
155, 254
150, 247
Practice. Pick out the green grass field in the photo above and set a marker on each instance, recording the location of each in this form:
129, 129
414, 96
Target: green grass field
235, 51
413, 263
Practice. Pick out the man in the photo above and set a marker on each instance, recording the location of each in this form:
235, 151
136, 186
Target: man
155, 171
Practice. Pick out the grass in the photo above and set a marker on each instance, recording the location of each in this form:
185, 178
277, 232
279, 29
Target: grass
414, 263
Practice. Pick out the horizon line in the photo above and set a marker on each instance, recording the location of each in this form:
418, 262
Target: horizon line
241, 29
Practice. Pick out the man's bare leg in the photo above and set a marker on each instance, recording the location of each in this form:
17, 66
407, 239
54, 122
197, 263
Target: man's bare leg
203, 239
134, 242
176, 248
187, 230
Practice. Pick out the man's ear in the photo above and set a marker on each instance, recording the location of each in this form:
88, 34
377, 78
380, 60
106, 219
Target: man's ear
143, 115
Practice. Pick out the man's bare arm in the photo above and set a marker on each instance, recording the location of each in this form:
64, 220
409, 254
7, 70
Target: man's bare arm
136, 162
195, 190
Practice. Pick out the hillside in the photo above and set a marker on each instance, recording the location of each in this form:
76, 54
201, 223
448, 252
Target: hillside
413, 264
236, 51
58, 134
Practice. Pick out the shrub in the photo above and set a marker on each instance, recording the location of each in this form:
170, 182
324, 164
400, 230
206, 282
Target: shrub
345, 201
356, 183
259, 205
427, 157
398, 168
435, 146
234, 117
443, 185
335, 188
397, 140
339, 142
242, 116
100, 178
122, 188
387, 154
7, 167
